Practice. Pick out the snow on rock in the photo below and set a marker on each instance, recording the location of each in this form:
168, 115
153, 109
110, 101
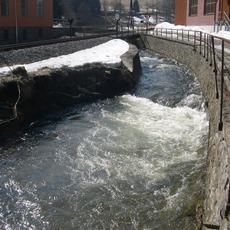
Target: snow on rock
205, 29
138, 20
106, 53
166, 25
223, 34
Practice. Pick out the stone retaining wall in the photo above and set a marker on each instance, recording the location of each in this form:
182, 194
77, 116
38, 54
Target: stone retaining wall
217, 177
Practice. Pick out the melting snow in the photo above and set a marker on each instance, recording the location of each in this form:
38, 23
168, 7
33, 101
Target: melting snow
205, 29
166, 25
107, 53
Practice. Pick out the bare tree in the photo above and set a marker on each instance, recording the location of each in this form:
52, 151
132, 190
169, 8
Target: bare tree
136, 6
168, 8
117, 5
84, 12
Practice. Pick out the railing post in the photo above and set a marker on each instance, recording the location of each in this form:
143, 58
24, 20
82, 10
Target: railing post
177, 34
204, 45
215, 67
188, 35
207, 47
147, 25
210, 49
194, 36
222, 88
200, 42
117, 28
182, 35
171, 33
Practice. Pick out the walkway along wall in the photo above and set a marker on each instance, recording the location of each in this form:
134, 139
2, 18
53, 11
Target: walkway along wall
218, 168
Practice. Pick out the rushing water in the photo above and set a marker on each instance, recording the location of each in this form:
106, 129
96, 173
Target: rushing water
131, 162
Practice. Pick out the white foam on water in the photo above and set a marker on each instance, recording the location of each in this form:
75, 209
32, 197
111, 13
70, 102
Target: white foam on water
25, 208
147, 137
163, 66
193, 101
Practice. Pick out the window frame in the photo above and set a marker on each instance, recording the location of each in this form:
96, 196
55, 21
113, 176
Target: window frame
193, 8
24, 8
40, 8
4, 7
209, 7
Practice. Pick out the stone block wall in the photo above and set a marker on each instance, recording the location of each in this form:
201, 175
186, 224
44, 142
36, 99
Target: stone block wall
218, 169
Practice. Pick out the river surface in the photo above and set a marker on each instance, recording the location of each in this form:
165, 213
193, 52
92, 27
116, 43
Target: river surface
131, 162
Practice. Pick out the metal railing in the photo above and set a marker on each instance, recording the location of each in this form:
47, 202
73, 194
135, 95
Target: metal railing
121, 33
216, 51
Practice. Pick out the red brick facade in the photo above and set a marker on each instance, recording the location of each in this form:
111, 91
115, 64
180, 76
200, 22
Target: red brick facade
32, 17
180, 8
183, 17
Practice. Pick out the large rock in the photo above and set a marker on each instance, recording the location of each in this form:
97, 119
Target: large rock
30, 95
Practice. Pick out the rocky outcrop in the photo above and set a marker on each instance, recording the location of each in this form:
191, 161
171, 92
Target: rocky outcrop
27, 96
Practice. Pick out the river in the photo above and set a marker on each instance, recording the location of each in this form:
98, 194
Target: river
135, 161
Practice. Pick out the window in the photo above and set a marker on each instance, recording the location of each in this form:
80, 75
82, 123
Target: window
4, 7
40, 7
5, 35
24, 7
40, 33
209, 6
193, 7
24, 35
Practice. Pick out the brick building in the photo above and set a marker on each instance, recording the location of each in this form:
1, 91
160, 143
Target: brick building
201, 12
25, 20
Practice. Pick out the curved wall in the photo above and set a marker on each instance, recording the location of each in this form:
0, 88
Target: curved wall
217, 182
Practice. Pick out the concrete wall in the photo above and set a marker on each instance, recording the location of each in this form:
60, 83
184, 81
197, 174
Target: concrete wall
217, 184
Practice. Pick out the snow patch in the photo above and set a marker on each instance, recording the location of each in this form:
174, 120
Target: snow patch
204, 29
106, 53
166, 25
223, 34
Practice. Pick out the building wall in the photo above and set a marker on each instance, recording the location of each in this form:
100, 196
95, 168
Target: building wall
180, 9
183, 18
32, 20
200, 19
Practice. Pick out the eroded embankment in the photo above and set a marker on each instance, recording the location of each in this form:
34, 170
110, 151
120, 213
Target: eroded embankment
217, 182
26, 96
